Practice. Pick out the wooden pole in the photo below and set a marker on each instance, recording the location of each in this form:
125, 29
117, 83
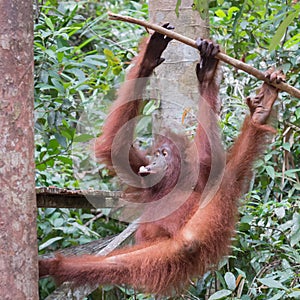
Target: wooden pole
221, 56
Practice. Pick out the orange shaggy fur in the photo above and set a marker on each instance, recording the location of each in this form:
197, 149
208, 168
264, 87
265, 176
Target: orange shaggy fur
195, 236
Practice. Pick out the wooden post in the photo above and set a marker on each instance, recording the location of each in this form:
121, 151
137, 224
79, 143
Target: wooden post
18, 246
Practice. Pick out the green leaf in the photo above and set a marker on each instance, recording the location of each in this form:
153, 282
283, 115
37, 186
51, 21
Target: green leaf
58, 85
220, 276
54, 2
50, 163
49, 242
83, 138
41, 167
278, 296
292, 173
282, 29
178, 3
150, 107
65, 160
85, 42
280, 212
247, 219
58, 222
49, 211
292, 41
202, 7
220, 295
49, 23
53, 144
116, 70
44, 87
230, 280
240, 272
231, 10
271, 283
271, 172
286, 146
60, 56
220, 13
39, 45
295, 295
297, 112
295, 232
68, 134
94, 60
108, 53
245, 297
61, 139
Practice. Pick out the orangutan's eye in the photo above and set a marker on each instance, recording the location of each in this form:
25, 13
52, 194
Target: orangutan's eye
157, 154
165, 153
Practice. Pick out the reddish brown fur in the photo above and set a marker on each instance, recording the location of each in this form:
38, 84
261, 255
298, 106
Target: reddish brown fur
193, 238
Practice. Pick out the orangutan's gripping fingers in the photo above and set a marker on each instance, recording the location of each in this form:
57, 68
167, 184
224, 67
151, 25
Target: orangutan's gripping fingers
215, 50
169, 27
261, 105
157, 44
201, 44
210, 48
160, 37
269, 71
278, 76
207, 66
207, 48
275, 76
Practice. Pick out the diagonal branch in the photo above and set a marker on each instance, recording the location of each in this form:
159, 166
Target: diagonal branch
222, 56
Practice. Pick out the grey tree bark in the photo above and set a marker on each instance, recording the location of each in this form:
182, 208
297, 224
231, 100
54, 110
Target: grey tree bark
18, 250
175, 83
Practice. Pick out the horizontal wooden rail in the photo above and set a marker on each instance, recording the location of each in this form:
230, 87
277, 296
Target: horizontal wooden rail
63, 198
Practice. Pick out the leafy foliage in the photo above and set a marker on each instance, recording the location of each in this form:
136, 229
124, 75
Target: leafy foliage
80, 58
266, 254
75, 66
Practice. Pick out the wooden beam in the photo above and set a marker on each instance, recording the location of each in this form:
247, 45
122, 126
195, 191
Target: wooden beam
63, 198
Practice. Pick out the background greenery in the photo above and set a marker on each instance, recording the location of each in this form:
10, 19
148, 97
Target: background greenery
80, 57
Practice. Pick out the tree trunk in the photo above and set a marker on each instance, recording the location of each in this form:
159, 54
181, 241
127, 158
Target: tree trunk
18, 250
175, 83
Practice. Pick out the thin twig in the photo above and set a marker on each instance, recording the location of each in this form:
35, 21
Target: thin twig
221, 56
